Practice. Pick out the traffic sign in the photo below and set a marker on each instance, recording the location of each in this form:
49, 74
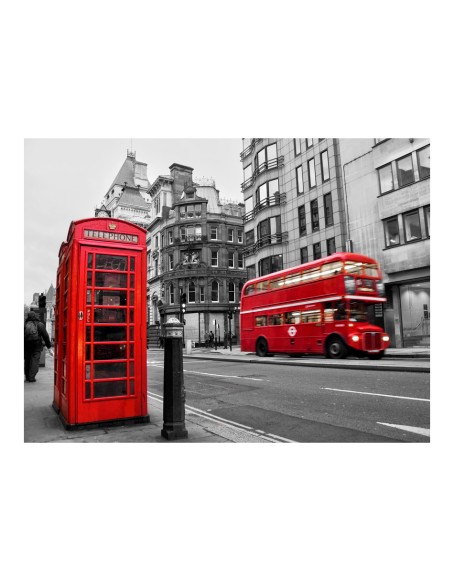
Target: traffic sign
292, 331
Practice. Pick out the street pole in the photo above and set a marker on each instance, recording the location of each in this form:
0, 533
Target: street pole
174, 392
215, 344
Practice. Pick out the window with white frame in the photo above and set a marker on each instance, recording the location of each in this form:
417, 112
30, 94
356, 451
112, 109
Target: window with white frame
171, 261
230, 235
191, 292
215, 292
202, 294
231, 259
183, 233
297, 145
231, 292
240, 236
214, 258
240, 261
213, 233
427, 219
423, 156
171, 294
170, 237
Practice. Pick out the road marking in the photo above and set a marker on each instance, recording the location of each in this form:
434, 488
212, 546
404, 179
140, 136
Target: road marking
215, 375
376, 394
416, 429
229, 423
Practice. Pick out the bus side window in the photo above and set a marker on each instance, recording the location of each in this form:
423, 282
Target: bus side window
341, 312
260, 320
275, 320
249, 290
328, 312
292, 317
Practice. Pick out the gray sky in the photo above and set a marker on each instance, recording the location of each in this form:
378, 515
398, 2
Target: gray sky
66, 178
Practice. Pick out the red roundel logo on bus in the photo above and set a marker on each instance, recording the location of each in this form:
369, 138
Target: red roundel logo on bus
292, 331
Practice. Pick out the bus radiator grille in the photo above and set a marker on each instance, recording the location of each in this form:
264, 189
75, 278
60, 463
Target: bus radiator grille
372, 341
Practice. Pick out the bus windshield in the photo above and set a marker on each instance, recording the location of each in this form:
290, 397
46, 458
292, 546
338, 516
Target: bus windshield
359, 311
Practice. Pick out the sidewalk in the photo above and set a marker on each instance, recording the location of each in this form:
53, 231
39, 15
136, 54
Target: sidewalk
395, 359
42, 424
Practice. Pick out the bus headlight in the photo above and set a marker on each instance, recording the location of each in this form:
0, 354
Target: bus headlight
355, 338
386, 338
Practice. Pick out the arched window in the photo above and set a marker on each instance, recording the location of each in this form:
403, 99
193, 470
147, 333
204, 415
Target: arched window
231, 292
191, 292
215, 292
172, 293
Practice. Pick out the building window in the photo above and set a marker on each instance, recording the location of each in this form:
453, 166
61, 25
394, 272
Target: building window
250, 239
183, 233
314, 215
266, 158
328, 204
240, 236
304, 255
385, 176
248, 207
230, 234
269, 231
424, 162
172, 294
317, 251
297, 146
427, 219
405, 173
215, 292
231, 292
202, 294
247, 173
213, 232
299, 180
265, 194
412, 226
331, 246
392, 236
156, 242
270, 265
171, 261
302, 219
214, 258
170, 237
311, 168
325, 166
309, 142
240, 261
231, 259
191, 292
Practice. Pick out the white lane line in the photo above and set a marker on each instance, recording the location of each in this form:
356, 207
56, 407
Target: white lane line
215, 375
376, 394
231, 423
416, 429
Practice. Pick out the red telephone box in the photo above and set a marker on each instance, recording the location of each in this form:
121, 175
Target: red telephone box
100, 324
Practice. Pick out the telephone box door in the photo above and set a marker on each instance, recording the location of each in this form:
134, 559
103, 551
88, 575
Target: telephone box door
110, 351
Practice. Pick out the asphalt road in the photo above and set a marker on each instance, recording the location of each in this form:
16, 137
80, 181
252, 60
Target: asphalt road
307, 404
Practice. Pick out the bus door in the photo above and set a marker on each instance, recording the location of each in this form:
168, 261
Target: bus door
311, 323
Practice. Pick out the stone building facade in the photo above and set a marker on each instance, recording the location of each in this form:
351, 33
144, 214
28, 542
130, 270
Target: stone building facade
306, 198
195, 247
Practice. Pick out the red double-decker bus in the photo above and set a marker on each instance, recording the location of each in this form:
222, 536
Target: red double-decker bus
322, 307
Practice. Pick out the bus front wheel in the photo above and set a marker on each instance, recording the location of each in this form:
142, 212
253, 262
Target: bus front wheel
261, 349
336, 349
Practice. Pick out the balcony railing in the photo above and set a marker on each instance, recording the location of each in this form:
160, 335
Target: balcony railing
268, 165
250, 147
265, 241
275, 200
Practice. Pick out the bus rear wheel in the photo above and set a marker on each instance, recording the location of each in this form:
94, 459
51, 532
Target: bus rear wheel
336, 349
261, 348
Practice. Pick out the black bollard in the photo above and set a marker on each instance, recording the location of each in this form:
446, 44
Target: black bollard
174, 393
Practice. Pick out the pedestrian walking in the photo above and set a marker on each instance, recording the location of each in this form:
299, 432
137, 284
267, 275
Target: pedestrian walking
211, 339
226, 339
35, 336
